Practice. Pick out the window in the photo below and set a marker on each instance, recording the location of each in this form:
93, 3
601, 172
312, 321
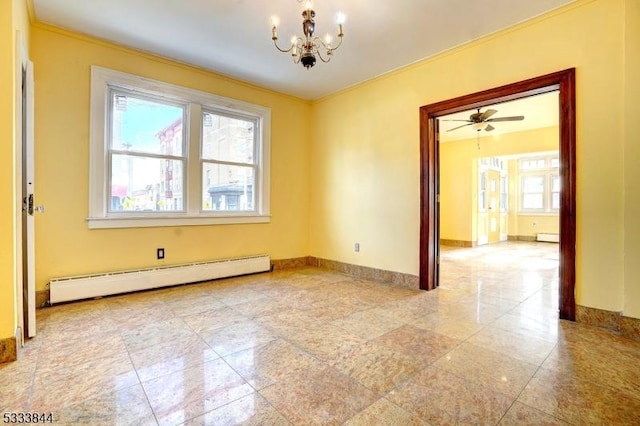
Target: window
163, 155
540, 185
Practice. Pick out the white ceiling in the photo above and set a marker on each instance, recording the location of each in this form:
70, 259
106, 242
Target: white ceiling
538, 111
233, 37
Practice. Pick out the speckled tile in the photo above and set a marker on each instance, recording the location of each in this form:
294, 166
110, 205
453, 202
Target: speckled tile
328, 310
183, 395
324, 340
206, 322
79, 350
600, 364
367, 324
384, 412
579, 401
192, 303
376, 366
131, 315
67, 323
265, 365
126, 406
238, 337
439, 397
516, 345
319, 397
250, 410
485, 367
171, 355
15, 381
267, 306
233, 295
453, 327
155, 333
545, 328
523, 415
424, 346
81, 382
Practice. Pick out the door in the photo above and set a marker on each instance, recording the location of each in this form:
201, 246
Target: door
493, 195
483, 203
28, 204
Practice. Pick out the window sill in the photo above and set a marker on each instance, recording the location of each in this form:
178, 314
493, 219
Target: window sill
153, 222
542, 213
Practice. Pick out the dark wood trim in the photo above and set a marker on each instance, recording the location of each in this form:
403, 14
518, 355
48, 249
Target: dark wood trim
564, 81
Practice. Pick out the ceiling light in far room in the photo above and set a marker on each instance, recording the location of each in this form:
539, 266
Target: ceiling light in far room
305, 48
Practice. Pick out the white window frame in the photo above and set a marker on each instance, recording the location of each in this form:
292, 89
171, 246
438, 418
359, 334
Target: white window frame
547, 174
99, 215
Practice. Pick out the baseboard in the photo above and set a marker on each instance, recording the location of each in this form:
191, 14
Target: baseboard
528, 238
9, 349
457, 243
295, 262
396, 279
630, 328
626, 326
42, 298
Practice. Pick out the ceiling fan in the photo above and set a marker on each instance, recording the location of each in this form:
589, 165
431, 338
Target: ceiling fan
482, 120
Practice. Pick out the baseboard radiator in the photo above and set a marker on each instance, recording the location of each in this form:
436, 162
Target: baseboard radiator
548, 238
90, 286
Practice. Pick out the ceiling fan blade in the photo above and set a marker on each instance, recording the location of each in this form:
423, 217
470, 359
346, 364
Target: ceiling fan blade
489, 128
514, 118
459, 127
488, 113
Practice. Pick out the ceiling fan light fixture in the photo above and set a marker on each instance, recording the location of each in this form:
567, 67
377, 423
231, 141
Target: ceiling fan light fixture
305, 48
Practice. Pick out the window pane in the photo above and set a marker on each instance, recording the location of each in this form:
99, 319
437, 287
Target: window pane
532, 201
555, 201
555, 183
227, 188
227, 139
145, 126
146, 184
533, 184
555, 162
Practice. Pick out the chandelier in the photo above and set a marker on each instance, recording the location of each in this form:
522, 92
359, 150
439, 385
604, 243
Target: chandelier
305, 49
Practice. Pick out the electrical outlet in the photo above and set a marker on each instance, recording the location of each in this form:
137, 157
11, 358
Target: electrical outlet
356, 247
160, 253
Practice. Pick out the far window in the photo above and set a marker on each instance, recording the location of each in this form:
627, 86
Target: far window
540, 185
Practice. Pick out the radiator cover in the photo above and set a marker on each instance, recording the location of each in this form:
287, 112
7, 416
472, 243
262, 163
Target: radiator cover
89, 286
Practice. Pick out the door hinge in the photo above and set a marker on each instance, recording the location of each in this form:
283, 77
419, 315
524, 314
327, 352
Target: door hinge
437, 198
30, 205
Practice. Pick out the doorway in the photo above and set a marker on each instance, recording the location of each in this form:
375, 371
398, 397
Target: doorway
564, 83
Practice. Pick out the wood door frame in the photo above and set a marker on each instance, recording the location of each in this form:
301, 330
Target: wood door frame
564, 82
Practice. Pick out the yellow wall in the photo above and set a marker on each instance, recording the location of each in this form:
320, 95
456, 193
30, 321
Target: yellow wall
65, 245
13, 18
458, 178
632, 159
365, 170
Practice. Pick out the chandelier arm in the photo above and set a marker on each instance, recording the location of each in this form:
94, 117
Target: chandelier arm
275, 43
322, 58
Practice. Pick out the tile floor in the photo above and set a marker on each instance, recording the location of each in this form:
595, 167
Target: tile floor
311, 346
